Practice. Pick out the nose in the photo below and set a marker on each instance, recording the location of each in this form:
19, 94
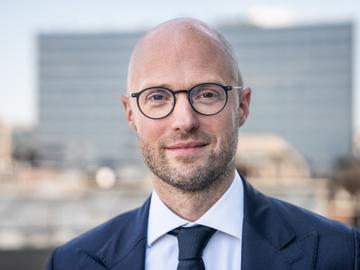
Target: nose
183, 117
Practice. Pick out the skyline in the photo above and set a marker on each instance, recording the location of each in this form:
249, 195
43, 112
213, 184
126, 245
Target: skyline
23, 21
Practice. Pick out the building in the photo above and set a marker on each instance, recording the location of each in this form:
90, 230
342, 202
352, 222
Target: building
267, 156
81, 120
301, 78
276, 168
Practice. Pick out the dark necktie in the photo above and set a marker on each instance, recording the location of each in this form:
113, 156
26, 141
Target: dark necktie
192, 241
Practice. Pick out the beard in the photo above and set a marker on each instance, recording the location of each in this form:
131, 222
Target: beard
191, 173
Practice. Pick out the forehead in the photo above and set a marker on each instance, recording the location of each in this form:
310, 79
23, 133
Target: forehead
179, 55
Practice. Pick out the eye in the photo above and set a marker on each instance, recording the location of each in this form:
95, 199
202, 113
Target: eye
207, 94
157, 95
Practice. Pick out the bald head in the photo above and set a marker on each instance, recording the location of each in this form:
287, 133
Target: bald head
181, 45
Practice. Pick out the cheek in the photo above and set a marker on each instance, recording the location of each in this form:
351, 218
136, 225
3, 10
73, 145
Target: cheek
148, 131
224, 127
218, 129
227, 120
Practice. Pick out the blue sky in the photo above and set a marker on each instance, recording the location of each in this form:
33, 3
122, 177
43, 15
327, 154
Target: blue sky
21, 20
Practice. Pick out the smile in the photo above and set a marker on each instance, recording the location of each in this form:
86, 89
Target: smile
186, 148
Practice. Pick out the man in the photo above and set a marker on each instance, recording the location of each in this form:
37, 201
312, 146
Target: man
185, 102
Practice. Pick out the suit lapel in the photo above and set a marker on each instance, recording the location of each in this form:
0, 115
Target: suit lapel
87, 261
134, 259
269, 242
126, 247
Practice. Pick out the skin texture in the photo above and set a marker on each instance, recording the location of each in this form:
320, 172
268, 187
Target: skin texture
191, 156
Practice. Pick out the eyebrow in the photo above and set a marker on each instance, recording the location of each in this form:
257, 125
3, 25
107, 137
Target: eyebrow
164, 85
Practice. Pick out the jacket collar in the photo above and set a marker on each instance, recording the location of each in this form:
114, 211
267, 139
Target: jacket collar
131, 251
127, 246
269, 242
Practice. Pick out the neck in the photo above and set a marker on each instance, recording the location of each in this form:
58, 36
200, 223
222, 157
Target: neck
192, 205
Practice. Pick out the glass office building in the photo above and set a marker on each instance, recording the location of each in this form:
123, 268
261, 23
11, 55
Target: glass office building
302, 87
81, 119
301, 78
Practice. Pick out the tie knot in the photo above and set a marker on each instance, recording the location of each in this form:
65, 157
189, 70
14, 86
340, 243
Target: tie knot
192, 241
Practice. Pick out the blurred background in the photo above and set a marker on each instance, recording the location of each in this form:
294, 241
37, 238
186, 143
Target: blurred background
69, 161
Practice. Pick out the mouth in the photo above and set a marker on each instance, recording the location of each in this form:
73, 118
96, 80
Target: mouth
187, 148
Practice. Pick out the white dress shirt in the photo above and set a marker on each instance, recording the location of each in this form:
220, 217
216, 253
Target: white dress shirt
224, 248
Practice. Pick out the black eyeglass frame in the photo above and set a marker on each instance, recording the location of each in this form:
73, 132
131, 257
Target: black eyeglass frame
226, 88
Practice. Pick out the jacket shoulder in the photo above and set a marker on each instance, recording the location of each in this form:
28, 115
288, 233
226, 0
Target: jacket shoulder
119, 230
98, 235
338, 244
304, 220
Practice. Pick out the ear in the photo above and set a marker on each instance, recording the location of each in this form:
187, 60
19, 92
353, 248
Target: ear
128, 111
244, 105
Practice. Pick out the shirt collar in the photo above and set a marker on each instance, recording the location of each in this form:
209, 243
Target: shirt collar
226, 215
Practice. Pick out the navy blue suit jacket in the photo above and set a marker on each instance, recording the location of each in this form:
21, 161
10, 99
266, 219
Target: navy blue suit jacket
276, 236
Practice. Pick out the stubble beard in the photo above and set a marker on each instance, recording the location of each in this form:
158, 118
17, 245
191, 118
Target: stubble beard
188, 174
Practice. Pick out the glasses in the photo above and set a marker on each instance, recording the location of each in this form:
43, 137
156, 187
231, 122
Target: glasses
205, 99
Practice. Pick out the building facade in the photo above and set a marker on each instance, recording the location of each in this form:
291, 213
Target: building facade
302, 87
81, 119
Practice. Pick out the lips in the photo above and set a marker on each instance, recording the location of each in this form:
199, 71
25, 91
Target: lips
186, 149
186, 145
